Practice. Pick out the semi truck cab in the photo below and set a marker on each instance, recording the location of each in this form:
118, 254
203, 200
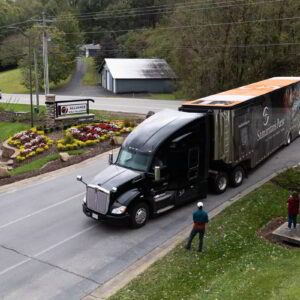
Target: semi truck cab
163, 163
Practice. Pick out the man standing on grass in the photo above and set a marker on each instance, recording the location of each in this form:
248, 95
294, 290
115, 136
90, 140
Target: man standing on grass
200, 218
293, 209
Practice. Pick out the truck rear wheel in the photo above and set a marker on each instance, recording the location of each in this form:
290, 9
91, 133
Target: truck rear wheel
237, 176
139, 215
221, 183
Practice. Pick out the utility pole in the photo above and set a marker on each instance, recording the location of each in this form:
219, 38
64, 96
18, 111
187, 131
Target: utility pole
30, 65
45, 56
36, 82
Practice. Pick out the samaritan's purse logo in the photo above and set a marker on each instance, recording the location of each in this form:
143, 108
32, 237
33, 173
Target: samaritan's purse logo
266, 115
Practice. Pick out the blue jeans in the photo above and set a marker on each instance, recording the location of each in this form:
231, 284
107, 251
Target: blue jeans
292, 219
192, 235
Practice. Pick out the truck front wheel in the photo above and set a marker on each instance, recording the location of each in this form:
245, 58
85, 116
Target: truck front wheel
139, 215
237, 176
221, 183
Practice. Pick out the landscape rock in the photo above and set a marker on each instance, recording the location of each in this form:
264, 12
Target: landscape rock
64, 156
4, 172
7, 152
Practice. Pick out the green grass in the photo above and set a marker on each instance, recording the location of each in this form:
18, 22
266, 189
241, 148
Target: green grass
9, 129
236, 263
11, 106
91, 76
11, 82
75, 152
34, 165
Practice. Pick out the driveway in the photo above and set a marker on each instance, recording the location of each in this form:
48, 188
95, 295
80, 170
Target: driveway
76, 88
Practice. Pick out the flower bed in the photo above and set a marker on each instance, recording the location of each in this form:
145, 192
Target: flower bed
90, 134
30, 143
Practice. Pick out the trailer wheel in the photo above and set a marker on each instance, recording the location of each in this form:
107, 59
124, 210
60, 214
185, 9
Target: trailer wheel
237, 176
139, 215
221, 183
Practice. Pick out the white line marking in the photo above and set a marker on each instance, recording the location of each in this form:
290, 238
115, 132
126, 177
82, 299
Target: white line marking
46, 250
40, 211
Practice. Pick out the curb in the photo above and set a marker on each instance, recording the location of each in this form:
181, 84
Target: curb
111, 286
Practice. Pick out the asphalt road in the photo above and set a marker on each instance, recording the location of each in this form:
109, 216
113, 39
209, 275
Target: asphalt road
50, 250
119, 104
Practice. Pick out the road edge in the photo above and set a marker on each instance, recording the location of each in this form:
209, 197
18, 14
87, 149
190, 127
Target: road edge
113, 285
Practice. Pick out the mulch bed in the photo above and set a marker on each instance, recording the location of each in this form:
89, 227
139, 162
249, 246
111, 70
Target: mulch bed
58, 164
7, 116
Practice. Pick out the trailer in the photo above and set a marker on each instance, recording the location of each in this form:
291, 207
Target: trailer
248, 124
174, 156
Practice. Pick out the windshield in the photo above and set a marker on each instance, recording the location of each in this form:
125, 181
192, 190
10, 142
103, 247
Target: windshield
134, 160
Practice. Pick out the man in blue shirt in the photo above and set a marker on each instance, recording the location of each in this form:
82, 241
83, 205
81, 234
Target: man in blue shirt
200, 218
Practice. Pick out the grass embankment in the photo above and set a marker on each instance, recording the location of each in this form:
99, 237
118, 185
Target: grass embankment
11, 82
9, 129
91, 76
235, 264
39, 163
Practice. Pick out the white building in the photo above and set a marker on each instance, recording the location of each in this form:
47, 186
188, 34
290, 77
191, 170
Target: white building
136, 75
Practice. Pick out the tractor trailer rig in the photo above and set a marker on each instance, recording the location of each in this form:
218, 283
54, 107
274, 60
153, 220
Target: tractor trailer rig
173, 156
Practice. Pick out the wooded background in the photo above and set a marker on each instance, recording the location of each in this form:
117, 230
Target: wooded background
211, 45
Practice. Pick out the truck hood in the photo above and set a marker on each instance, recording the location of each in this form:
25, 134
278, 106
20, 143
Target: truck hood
114, 176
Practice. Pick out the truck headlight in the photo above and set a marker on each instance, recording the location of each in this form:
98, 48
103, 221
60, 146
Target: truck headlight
84, 199
119, 210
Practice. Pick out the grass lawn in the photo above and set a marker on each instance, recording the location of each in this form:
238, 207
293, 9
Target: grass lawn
39, 163
36, 164
10, 106
235, 264
9, 129
91, 76
11, 82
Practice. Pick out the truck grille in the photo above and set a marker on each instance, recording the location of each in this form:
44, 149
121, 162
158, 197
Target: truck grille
97, 200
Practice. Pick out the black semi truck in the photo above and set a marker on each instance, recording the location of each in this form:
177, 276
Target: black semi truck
174, 156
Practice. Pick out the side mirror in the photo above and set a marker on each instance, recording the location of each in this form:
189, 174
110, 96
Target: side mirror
157, 173
110, 158
79, 178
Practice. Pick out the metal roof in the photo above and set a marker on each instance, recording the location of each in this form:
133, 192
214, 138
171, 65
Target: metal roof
137, 68
245, 93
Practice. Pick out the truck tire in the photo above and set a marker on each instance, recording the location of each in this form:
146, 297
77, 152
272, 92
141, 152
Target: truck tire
236, 176
139, 215
221, 183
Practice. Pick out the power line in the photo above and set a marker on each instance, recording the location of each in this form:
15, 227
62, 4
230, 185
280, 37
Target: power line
14, 24
142, 11
187, 26
95, 17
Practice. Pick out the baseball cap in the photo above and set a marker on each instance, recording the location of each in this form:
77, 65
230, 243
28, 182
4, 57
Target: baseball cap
200, 204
